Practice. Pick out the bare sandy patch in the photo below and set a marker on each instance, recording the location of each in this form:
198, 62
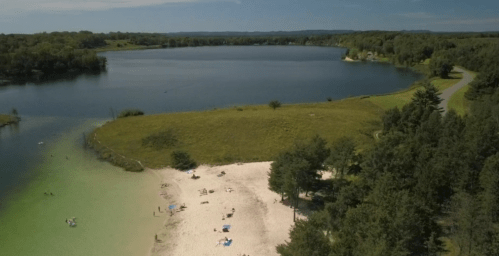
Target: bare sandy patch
259, 222
350, 59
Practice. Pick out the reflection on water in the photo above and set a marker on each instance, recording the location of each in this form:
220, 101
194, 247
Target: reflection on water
54, 78
13, 128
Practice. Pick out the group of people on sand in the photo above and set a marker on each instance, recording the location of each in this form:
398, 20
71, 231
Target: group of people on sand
223, 241
172, 211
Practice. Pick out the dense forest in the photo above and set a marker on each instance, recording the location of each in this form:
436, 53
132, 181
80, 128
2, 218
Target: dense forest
44, 55
431, 182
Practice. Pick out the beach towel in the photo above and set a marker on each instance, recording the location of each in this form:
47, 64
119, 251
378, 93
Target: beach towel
228, 243
172, 206
189, 171
226, 226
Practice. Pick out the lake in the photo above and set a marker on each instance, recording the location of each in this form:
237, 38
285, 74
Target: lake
185, 79
57, 113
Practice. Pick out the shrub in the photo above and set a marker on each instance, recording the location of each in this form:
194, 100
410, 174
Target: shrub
130, 112
329, 99
274, 104
182, 160
160, 140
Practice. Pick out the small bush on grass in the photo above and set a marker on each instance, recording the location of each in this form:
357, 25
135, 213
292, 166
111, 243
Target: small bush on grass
130, 112
161, 140
275, 104
182, 160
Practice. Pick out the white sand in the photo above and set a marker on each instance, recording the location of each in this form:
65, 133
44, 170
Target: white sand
348, 59
258, 224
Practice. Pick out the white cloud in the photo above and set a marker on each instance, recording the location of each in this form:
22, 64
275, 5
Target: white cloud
13, 7
417, 15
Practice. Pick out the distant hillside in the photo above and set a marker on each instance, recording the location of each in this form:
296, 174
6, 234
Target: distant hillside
257, 33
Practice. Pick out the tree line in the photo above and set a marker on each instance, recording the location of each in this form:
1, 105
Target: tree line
38, 56
431, 180
24, 56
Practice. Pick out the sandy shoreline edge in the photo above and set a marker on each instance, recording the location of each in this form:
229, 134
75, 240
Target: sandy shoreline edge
258, 223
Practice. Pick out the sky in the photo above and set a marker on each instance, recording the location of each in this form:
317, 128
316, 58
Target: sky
34, 16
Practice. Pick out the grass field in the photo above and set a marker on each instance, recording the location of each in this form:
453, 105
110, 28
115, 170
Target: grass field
7, 119
399, 99
250, 133
112, 45
458, 102
243, 134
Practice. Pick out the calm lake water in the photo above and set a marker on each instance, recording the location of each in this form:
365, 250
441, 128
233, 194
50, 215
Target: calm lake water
184, 79
155, 81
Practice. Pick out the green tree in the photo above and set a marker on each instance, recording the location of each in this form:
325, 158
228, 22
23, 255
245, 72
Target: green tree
440, 66
274, 104
342, 155
182, 160
489, 181
427, 98
306, 240
277, 172
391, 119
471, 227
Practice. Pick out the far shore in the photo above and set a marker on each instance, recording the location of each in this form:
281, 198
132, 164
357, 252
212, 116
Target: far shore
259, 221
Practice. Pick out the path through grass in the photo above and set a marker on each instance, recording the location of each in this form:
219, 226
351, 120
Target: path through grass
458, 102
399, 99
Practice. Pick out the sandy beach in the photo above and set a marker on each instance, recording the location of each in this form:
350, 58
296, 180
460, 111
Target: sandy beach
258, 224
348, 59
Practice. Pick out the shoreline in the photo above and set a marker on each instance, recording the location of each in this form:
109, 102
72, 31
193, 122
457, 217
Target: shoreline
259, 221
8, 120
348, 59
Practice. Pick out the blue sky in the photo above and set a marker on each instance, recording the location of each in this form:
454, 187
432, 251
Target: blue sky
32, 16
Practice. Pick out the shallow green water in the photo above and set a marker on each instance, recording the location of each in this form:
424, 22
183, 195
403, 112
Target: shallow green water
113, 208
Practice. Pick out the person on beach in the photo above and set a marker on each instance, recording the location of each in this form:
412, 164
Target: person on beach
46, 193
154, 214
51, 194
159, 209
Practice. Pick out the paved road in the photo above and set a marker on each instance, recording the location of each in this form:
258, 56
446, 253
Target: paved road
447, 93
